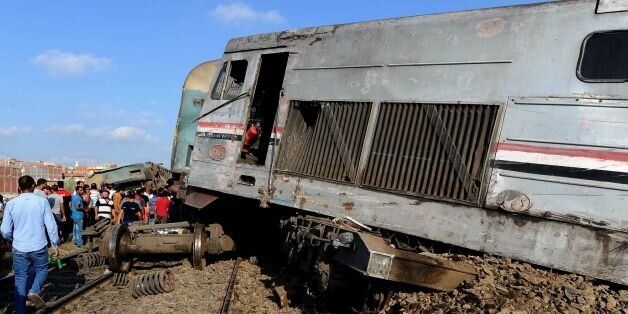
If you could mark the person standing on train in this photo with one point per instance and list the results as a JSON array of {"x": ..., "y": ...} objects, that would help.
[{"x": 26, "y": 222}]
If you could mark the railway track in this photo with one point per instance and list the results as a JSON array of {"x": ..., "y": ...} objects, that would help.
[
  {"x": 229, "y": 293},
  {"x": 76, "y": 288},
  {"x": 62, "y": 285}
]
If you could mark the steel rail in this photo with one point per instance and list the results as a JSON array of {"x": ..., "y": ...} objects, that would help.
[
  {"x": 64, "y": 258},
  {"x": 229, "y": 294},
  {"x": 51, "y": 306}
]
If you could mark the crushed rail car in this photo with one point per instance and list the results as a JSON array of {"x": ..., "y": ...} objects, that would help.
[
  {"x": 149, "y": 174},
  {"x": 499, "y": 130}
]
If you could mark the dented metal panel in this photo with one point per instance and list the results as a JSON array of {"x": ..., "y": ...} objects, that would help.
[{"x": 385, "y": 262}]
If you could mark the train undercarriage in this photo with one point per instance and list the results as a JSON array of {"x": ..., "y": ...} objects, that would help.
[{"x": 338, "y": 260}]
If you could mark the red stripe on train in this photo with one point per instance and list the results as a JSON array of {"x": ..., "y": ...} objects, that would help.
[
  {"x": 223, "y": 125},
  {"x": 562, "y": 151}
]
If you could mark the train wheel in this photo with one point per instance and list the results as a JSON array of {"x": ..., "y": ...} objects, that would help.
[
  {"x": 199, "y": 247},
  {"x": 376, "y": 298},
  {"x": 120, "y": 235}
]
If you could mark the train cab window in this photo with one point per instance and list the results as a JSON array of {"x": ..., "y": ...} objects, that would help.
[
  {"x": 604, "y": 57},
  {"x": 235, "y": 80},
  {"x": 220, "y": 82},
  {"x": 229, "y": 86}
]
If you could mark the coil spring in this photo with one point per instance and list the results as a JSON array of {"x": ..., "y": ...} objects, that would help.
[
  {"x": 92, "y": 259},
  {"x": 120, "y": 279},
  {"x": 154, "y": 283}
]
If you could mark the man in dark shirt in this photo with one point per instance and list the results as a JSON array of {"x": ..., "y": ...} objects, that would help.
[{"x": 131, "y": 211}]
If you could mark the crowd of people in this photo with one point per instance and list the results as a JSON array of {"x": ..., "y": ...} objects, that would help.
[
  {"x": 44, "y": 214},
  {"x": 89, "y": 204}
]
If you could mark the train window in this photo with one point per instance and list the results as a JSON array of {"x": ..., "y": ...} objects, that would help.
[
  {"x": 604, "y": 57},
  {"x": 188, "y": 156},
  {"x": 220, "y": 82},
  {"x": 229, "y": 86},
  {"x": 235, "y": 80}
]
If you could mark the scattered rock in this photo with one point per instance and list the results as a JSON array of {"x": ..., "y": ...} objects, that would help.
[
  {"x": 611, "y": 304},
  {"x": 504, "y": 286}
]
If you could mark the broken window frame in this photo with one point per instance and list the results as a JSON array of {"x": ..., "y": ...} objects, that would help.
[
  {"x": 225, "y": 81},
  {"x": 219, "y": 85}
]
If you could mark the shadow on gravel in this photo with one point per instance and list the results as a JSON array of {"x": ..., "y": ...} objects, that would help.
[{"x": 59, "y": 283}]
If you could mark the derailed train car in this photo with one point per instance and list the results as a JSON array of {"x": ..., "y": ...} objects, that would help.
[
  {"x": 498, "y": 130},
  {"x": 195, "y": 89}
]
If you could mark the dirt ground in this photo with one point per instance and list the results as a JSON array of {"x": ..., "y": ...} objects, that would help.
[
  {"x": 195, "y": 292},
  {"x": 503, "y": 286}
]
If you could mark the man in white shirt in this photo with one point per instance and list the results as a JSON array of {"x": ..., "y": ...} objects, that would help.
[
  {"x": 94, "y": 195},
  {"x": 39, "y": 188},
  {"x": 27, "y": 221}
]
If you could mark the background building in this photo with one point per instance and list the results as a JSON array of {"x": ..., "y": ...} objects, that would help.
[{"x": 12, "y": 169}]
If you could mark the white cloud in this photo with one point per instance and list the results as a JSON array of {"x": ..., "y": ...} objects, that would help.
[
  {"x": 58, "y": 62},
  {"x": 239, "y": 13},
  {"x": 13, "y": 131},
  {"x": 129, "y": 133},
  {"x": 72, "y": 129},
  {"x": 123, "y": 133}
]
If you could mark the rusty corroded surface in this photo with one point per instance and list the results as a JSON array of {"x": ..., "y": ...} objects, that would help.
[{"x": 521, "y": 59}]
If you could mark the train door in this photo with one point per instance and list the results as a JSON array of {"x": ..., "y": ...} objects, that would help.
[{"x": 263, "y": 110}]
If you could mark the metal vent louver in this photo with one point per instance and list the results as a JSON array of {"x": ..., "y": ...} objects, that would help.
[
  {"x": 434, "y": 150},
  {"x": 323, "y": 139}
]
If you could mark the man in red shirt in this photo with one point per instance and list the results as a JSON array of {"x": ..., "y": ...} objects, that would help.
[{"x": 161, "y": 208}]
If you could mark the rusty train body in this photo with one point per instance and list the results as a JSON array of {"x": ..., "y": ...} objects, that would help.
[{"x": 498, "y": 130}]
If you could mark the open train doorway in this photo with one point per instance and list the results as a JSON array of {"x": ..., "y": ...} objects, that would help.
[{"x": 259, "y": 126}]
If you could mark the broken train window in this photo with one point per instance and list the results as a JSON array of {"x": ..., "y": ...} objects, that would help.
[{"x": 229, "y": 86}]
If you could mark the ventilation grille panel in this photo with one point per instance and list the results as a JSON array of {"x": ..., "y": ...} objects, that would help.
[
  {"x": 323, "y": 139},
  {"x": 434, "y": 150}
]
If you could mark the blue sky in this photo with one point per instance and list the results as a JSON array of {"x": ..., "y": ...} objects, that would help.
[{"x": 99, "y": 81}]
